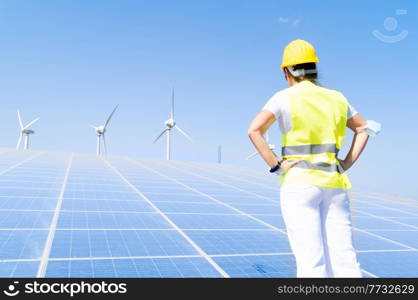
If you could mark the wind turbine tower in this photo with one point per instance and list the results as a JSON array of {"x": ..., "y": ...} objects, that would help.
[{"x": 170, "y": 124}]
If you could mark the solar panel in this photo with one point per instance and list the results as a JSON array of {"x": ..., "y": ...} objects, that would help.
[{"x": 80, "y": 215}]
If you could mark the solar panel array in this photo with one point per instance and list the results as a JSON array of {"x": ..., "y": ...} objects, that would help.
[{"x": 79, "y": 215}]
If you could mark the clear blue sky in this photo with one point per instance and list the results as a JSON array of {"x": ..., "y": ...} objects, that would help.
[{"x": 70, "y": 62}]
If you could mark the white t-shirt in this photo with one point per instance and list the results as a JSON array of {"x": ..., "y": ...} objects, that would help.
[{"x": 279, "y": 106}]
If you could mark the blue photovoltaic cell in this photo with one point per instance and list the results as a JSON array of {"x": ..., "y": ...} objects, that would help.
[
  {"x": 19, "y": 269},
  {"x": 258, "y": 266},
  {"x": 360, "y": 204},
  {"x": 382, "y": 212},
  {"x": 392, "y": 205},
  {"x": 241, "y": 242},
  {"x": 181, "y": 207},
  {"x": 77, "y": 194},
  {"x": 106, "y": 205},
  {"x": 259, "y": 209},
  {"x": 74, "y": 186},
  {"x": 22, "y": 244},
  {"x": 242, "y": 199},
  {"x": 11, "y": 203},
  {"x": 112, "y": 220},
  {"x": 364, "y": 222},
  {"x": 182, "y": 267},
  {"x": 29, "y": 192},
  {"x": 163, "y": 189},
  {"x": 25, "y": 219},
  {"x": 412, "y": 221},
  {"x": 118, "y": 243},
  {"x": 390, "y": 264},
  {"x": 177, "y": 197},
  {"x": 364, "y": 241},
  {"x": 29, "y": 184},
  {"x": 32, "y": 179},
  {"x": 276, "y": 221},
  {"x": 210, "y": 190},
  {"x": 109, "y": 220},
  {"x": 165, "y": 192},
  {"x": 93, "y": 179},
  {"x": 200, "y": 221},
  {"x": 409, "y": 237}
]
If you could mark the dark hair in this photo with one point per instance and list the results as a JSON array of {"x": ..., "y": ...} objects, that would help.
[{"x": 308, "y": 66}]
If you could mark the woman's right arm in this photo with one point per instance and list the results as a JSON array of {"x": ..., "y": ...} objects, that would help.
[{"x": 357, "y": 124}]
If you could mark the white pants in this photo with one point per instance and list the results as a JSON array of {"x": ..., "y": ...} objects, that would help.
[{"x": 318, "y": 225}]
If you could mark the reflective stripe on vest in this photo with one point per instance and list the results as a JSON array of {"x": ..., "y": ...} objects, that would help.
[
  {"x": 322, "y": 166},
  {"x": 309, "y": 149}
]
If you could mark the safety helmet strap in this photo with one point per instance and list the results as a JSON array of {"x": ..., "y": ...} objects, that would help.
[{"x": 300, "y": 72}]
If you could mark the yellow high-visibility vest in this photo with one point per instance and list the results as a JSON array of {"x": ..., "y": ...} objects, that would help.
[{"x": 319, "y": 118}]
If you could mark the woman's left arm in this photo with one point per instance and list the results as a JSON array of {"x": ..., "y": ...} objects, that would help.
[{"x": 257, "y": 129}]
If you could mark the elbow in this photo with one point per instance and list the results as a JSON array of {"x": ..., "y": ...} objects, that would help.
[
  {"x": 360, "y": 130},
  {"x": 252, "y": 133}
]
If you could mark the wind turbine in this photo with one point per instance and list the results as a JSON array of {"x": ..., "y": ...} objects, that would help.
[
  {"x": 170, "y": 124},
  {"x": 100, "y": 131},
  {"x": 24, "y": 131},
  {"x": 271, "y": 146}
]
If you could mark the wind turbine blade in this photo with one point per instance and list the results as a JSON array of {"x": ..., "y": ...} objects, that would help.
[
  {"x": 183, "y": 133},
  {"x": 19, "y": 119},
  {"x": 172, "y": 104},
  {"x": 251, "y": 155},
  {"x": 94, "y": 127},
  {"x": 160, "y": 135},
  {"x": 31, "y": 123},
  {"x": 110, "y": 117},
  {"x": 104, "y": 143},
  {"x": 19, "y": 141}
]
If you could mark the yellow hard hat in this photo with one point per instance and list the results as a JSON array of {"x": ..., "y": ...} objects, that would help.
[{"x": 298, "y": 52}]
